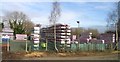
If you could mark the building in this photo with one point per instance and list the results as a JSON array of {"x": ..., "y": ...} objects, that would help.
[
  {"x": 63, "y": 33},
  {"x": 7, "y": 30}
]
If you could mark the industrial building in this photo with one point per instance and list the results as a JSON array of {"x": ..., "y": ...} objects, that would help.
[{"x": 63, "y": 34}]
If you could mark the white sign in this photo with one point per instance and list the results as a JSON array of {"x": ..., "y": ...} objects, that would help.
[
  {"x": 9, "y": 34},
  {"x": 74, "y": 37},
  {"x": 113, "y": 38},
  {"x": 6, "y": 36},
  {"x": 21, "y": 37},
  {"x": 103, "y": 41},
  {"x": 88, "y": 40},
  {"x": 7, "y": 30}
]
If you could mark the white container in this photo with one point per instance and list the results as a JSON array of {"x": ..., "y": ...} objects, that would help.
[
  {"x": 62, "y": 42},
  {"x": 68, "y": 42},
  {"x": 62, "y": 30},
  {"x": 68, "y": 33},
  {"x": 103, "y": 41},
  {"x": 36, "y": 45},
  {"x": 36, "y": 36},
  {"x": 68, "y": 45},
  {"x": 62, "y": 39},
  {"x": 36, "y": 32},
  {"x": 36, "y": 41},
  {"x": 63, "y": 27},
  {"x": 62, "y": 33},
  {"x": 68, "y": 39},
  {"x": 62, "y": 36},
  {"x": 68, "y": 30}
]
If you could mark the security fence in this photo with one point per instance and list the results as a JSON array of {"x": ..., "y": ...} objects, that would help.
[
  {"x": 88, "y": 47},
  {"x": 20, "y": 46}
]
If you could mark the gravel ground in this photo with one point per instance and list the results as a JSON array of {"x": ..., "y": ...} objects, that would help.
[
  {"x": 107, "y": 55},
  {"x": 60, "y": 56}
]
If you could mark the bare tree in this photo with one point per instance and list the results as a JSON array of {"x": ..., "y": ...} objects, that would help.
[
  {"x": 18, "y": 21},
  {"x": 28, "y": 26},
  {"x": 54, "y": 17},
  {"x": 75, "y": 31},
  {"x": 113, "y": 20}
]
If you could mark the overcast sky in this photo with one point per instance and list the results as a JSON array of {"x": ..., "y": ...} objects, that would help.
[{"x": 88, "y": 13}]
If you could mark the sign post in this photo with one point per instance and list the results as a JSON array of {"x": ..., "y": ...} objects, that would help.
[
  {"x": 26, "y": 45},
  {"x": 25, "y": 38},
  {"x": 8, "y": 45}
]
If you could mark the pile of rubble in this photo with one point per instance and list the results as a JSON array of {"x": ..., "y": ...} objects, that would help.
[
  {"x": 63, "y": 54},
  {"x": 36, "y": 54}
]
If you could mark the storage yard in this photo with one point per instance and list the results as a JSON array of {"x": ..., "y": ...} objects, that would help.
[
  {"x": 82, "y": 36},
  {"x": 44, "y": 47}
]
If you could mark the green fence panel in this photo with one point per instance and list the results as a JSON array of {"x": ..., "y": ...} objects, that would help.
[
  {"x": 94, "y": 47},
  {"x": 91, "y": 47},
  {"x": 18, "y": 46},
  {"x": 86, "y": 47},
  {"x": 73, "y": 47},
  {"x": 81, "y": 47},
  {"x": 51, "y": 46},
  {"x": 100, "y": 47}
]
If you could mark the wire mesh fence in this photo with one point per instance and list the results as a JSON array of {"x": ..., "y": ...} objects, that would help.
[{"x": 16, "y": 46}]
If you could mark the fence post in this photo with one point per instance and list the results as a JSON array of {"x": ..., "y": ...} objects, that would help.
[
  {"x": 26, "y": 46},
  {"x": 8, "y": 45}
]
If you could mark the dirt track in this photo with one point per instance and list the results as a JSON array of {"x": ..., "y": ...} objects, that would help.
[
  {"x": 56, "y": 56},
  {"x": 107, "y": 57}
]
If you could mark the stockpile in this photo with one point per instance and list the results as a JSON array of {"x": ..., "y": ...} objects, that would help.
[{"x": 36, "y": 54}]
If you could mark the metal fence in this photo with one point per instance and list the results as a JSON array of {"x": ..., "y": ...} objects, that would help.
[
  {"x": 16, "y": 46},
  {"x": 88, "y": 47},
  {"x": 19, "y": 46}
]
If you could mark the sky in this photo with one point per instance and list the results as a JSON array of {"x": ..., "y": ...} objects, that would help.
[{"x": 88, "y": 13}]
